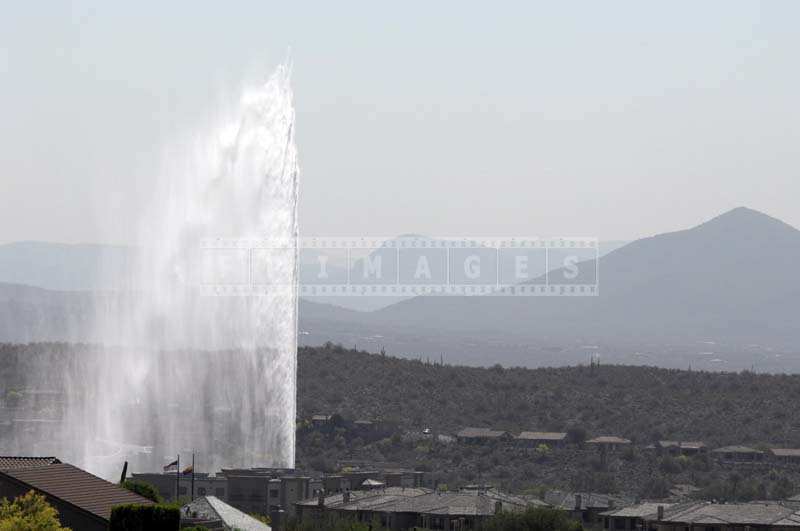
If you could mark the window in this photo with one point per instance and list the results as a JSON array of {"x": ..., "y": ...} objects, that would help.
[
  {"x": 274, "y": 493},
  {"x": 201, "y": 491}
]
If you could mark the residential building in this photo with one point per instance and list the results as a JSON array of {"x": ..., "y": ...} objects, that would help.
[
  {"x": 482, "y": 436},
  {"x": 532, "y": 439},
  {"x": 216, "y": 515},
  {"x": 738, "y": 454},
  {"x": 585, "y": 507},
  {"x": 687, "y": 448},
  {"x": 321, "y": 421},
  {"x": 400, "y": 477},
  {"x": 704, "y": 516},
  {"x": 639, "y": 517},
  {"x": 786, "y": 455},
  {"x": 609, "y": 443},
  {"x": 83, "y": 501},
  {"x": 400, "y": 508},
  {"x": 267, "y": 491},
  {"x": 365, "y": 479}
]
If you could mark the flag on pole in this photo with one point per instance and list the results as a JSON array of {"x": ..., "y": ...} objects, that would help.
[
  {"x": 172, "y": 466},
  {"x": 188, "y": 470}
]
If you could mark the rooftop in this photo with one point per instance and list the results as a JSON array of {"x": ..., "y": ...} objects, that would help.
[
  {"x": 647, "y": 510},
  {"x": 14, "y": 462},
  {"x": 588, "y": 500},
  {"x": 762, "y": 513},
  {"x": 422, "y": 501},
  {"x": 608, "y": 439},
  {"x": 75, "y": 486},
  {"x": 736, "y": 450},
  {"x": 212, "y": 509},
  {"x": 480, "y": 433},
  {"x": 786, "y": 452},
  {"x": 542, "y": 436},
  {"x": 691, "y": 445}
]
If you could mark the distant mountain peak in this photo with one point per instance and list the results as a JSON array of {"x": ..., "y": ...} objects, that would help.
[{"x": 746, "y": 220}]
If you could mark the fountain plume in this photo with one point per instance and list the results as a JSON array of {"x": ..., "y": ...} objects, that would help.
[{"x": 215, "y": 375}]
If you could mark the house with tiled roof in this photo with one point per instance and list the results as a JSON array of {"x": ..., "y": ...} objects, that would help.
[
  {"x": 681, "y": 447},
  {"x": 704, "y": 516},
  {"x": 14, "y": 462},
  {"x": 532, "y": 439},
  {"x": 639, "y": 516},
  {"x": 583, "y": 506},
  {"x": 482, "y": 436},
  {"x": 738, "y": 454},
  {"x": 408, "y": 508},
  {"x": 786, "y": 455},
  {"x": 608, "y": 442},
  {"x": 83, "y": 500}
]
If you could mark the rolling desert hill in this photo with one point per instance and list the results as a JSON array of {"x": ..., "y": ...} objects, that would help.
[{"x": 723, "y": 295}]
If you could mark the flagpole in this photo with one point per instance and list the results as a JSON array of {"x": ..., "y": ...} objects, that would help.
[
  {"x": 178, "y": 478},
  {"x": 192, "y": 476}
]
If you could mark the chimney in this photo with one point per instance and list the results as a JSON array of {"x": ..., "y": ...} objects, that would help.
[
  {"x": 660, "y": 512},
  {"x": 578, "y": 502},
  {"x": 498, "y": 507},
  {"x": 124, "y": 473}
]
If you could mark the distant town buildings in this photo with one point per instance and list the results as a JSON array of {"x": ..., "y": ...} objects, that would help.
[
  {"x": 705, "y": 516},
  {"x": 584, "y": 507},
  {"x": 406, "y": 508},
  {"x": 640, "y": 516},
  {"x": 687, "y": 448},
  {"x": 738, "y": 454},
  {"x": 482, "y": 436},
  {"x": 609, "y": 443},
  {"x": 786, "y": 455},
  {"x": 532, "y": 439}
]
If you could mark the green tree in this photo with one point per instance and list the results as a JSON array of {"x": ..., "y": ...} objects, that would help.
[
  {"x": 782, "y": 488},
  {"x": 29, "y": 512}
]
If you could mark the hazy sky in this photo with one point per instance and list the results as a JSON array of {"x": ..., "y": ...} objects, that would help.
[{"x": 610, "y": 119}]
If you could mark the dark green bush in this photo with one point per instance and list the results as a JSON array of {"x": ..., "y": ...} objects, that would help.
[{"x": 135, "y": 517}]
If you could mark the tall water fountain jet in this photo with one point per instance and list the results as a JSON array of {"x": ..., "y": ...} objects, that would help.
[{"x": 211, "y": 375}]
